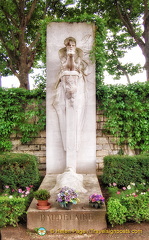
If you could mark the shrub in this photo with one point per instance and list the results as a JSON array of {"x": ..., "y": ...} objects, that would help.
[
  {"x": 125, "y": 169},
  {"x": 137, "y": 207},
  {"x": 18, "y": 170},
  {"x": 131, "y": 208},
  {"x": 116, "y": 212},
  {"x": 10, "y": 210}
]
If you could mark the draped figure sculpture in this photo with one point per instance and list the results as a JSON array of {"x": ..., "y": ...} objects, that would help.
[{"x": 70, "y": 99}]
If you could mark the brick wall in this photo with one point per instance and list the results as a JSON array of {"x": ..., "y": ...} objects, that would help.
[{"x": 104, "y": 145}]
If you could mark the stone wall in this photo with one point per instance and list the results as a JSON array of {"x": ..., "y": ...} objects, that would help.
[
  {"x": 104, "y": 145},
  {"x": 36, "y": 147}
]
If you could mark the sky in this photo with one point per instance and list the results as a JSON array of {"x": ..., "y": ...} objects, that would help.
[
  {"x": 13, "y": 82},
  {"x": 135, "y": 56}
]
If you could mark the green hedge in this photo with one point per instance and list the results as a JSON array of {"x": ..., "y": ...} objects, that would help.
[
  {"x": 127, "y": 209},
  {"x": 125, "y": 169},
  {"x": 18, "y": 170},
  {"x": 10, "y": 210}
]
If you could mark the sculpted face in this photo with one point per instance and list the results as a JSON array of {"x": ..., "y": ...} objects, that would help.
[{"x": 71, "y": 47}]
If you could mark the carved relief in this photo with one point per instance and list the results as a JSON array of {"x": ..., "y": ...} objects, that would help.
[{"x": 71, "y": 94}]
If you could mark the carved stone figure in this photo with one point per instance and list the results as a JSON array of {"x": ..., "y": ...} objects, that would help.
[{"x": 70, "y": 99}]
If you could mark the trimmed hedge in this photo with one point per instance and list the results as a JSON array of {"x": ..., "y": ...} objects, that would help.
[
  {"x": 10, "y": 210},
  {"x": 125, "y": 169},
  {"x": 127, "y": 209},
  {"x": 18, "y": 170}
]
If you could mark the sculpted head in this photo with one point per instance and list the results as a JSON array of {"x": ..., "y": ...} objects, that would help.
[{"x": 70, "y": 44}]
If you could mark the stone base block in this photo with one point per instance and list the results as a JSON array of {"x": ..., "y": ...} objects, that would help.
[{"x": 80, "y": 217}]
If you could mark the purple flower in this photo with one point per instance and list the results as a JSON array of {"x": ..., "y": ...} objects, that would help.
[
  {"x": 67, "y": 194},
  {"x": 96, "y": 198}
]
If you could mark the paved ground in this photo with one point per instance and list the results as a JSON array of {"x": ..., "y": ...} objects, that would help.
[{"x": 130, "y": 231}]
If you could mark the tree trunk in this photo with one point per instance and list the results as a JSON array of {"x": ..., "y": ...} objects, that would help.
[
  {"x": 24, "y": 79},
  {"x": 146, "y": 66},
  {"x": 146, "y": 40},
  {"x": 25, "y": 63},
  {"x": 146, "y": 53},
  {"x": 0, "y": 80}
]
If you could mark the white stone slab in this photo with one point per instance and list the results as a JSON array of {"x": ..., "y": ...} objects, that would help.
[{"x": 55, "y": 154}]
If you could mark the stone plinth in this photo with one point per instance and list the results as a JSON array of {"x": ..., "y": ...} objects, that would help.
[{"x": 80, "y": 217}]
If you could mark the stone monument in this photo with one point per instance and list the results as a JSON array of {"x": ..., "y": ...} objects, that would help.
[
  {"x": 71, "y": 102},
  {"x": 70, "y": 128}
]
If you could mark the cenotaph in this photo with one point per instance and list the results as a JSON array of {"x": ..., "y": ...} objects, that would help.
[{"x": 70, "y": 129}]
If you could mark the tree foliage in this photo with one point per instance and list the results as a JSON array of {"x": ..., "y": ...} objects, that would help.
[
  {"x": 23, "y": 27},
  {"x": 122, "y": 18},
  {"x": 20, "y": 34}
]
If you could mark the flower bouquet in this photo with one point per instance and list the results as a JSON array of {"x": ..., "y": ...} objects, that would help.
[
  {"x": 96, "y": 200},
  {"x": 66, "y": 197}
]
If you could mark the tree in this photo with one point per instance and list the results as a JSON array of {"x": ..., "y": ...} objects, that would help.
[
  {"x": 20, "y": 38},
  {"x": 124, "y": 16},
  {"x": 115, "y": 47}
]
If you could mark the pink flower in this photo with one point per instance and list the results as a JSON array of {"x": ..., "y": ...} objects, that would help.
[
  {"x": 6, "y": 186},
  {"x": 13, "y": 190},
  {"x": 22, "y": 195},
  {"x": 114, "y": 184},
  {"x": 118, "y": 192},
  {"x": 31, "y": 186},
  {"x": 20, "y": 190},
  {"x": 27, "y": 192},
  {"x": 28, "y": 188},
  {"x": 124, "y": 188}
]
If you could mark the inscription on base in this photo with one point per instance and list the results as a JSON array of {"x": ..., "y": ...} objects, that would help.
[{"x": 60, "y": 217}]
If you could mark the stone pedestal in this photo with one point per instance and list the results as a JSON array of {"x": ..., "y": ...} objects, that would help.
[{"x": 80, "y": 217}]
